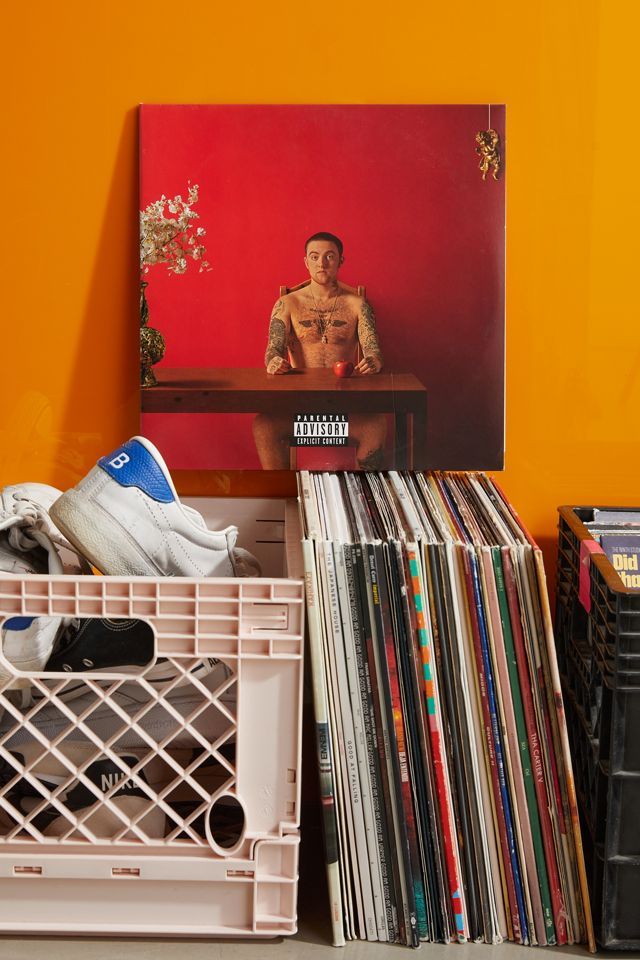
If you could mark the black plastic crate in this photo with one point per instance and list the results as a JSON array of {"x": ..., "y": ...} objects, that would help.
[
  {"x": 615, "y": 884},
  {"x": 599, "y": 660}
]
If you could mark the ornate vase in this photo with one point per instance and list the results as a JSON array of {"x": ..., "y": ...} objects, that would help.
[{"x": 151, "y": 343}]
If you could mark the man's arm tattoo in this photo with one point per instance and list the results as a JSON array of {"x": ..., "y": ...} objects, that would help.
[
  {"x": 277, "y": 345},
  {"x": 367, "y": 334}
]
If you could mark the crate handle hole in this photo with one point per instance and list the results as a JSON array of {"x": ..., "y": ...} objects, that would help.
[{"x": 225, "y": 824}]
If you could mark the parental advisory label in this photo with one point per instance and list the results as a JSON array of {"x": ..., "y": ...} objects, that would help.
[{"x": 320, "y": 430}]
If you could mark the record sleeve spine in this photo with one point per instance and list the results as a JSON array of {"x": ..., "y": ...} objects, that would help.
[
  {"x": 386, "y": 923},
  {"x": 370, "y": 866},
  {"x": 484, "y": 687},
  {"x": 380, "y": 725},
  {"x": 498, "y": 743},
  {"x": 566, "y": 752},
  {"x": 398, "y": 747},
  {"x": 511, "y": 753},
  {"x": 456, "y": 889},
  {"x": 325, "y": 762},
  {"x": 539, "y": 779},
  {"x": 443, "y": 617},
  {"x": 523, "y": 741},
  {"x": 353, "y": 788},
  {"x": 409, "y": 658}
]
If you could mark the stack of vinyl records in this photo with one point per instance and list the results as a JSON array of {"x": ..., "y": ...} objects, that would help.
[{"x": 447, "y": 791}]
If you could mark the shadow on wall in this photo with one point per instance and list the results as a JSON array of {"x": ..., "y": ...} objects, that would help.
[
  {"x": 102, "y": 397},
  {"x": 549, "y": 547},
  {"x": 103, "y": 406}
]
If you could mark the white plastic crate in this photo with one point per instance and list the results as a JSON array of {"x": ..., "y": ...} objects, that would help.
[{"x": 197, "y": 832}]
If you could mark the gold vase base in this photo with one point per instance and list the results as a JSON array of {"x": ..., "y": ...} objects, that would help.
[{"x": 147, "y": 376}]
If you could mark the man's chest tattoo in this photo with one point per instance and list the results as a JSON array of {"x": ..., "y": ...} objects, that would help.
[{"x": 315, "y": 322}]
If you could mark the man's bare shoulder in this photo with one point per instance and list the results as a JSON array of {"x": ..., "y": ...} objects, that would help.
[
  {"x": 352, "y": 301},
  {"x": 295, "y": 300},
  {"x": 282, "y": 306}
]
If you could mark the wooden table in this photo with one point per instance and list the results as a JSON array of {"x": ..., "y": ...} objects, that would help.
[{"x": 314, "y": 390}]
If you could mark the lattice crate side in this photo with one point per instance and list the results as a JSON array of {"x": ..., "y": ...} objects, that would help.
[
  {"x": 95, "y": 597},
  {"x": 269, "y": 667},
  {"x": 249, "y": 889}
]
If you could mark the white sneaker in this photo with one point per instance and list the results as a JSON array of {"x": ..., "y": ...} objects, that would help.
[
  {"x": 31, "y": 544},
  {"x": 127, "y": 519}
]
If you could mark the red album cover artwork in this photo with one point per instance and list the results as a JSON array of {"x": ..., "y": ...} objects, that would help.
[{"x": 322, "y": 287}]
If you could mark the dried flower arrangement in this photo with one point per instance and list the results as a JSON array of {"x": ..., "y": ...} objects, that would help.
[{"x": 169, "y": 235}]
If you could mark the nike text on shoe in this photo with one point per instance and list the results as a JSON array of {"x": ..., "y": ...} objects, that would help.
[
  {"x": 123, "y": 796},
  {"x": 127, "y": 519},
  {"x": 102, "y": 802}
]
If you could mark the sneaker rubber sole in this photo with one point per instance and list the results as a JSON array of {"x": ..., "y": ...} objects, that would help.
[{"x": 99, "y": 538}]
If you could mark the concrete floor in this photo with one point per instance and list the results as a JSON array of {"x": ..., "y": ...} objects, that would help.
[
  {"x": 303, "y": 945},
  {"x": 312, "y": 941}
]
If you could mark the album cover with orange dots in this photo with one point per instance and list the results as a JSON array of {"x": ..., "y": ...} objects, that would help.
[{"x": 323, "y": 287}]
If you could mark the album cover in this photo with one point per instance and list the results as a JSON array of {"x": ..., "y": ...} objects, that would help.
[
  {"x": 322, "y": 287},
  {"x": 623, "y": 550}
]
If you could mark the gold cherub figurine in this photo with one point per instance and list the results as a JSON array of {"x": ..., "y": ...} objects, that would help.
[{"x": 489, "y": 151}]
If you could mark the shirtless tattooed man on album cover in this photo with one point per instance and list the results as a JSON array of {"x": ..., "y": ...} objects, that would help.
[{"x": 313, "y": 327}]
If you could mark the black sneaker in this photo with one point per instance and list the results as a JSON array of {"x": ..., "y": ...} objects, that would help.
[
  {"x": 76, "y": 800},
  {"x": 113, "y": 646}
]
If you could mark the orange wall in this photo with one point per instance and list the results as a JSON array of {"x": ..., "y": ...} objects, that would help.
[{"x": 73, "y": 75}]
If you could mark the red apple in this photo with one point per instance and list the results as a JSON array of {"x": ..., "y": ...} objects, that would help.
[{"x": 343, "y": 368}]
